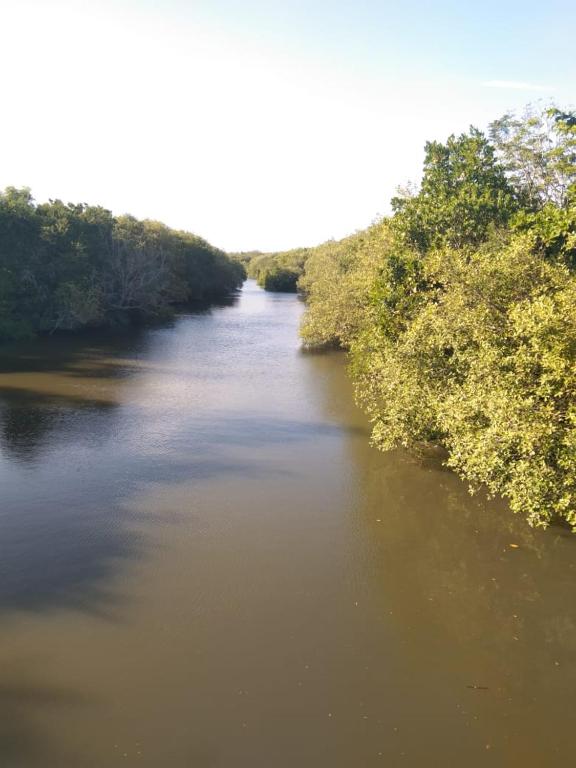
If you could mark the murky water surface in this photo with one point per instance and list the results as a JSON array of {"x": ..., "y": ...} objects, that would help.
[{"x": 203, "y": 563}]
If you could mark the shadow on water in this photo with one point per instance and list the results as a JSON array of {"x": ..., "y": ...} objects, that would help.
[
  {"x": 66, "y": 522},
  {"x": 30, "y": 422},
  {"x": 76, "y": 457},
  {"x": 27, "y": 419},
  {"x": 23, "y": 700},
  {"x": 61, "y": 545},
  {"x": 28, "y": 693},
  {"x": 207, "y": 307}
]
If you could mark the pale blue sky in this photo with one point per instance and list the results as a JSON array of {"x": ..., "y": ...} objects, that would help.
[{"x": 260, "y": 124}]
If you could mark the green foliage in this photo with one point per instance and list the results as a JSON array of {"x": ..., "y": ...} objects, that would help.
[
  {"x": 337, "y": 284},
  {"x": 67, "y": 266},
  {"x": 280, "y": 279},
  {"x": 459, "y": 315},
  {"x": 485, "y": 366},
  {"x": 553, "y": 230},
  {"x": 464, "y": 192},
  {"x": 276, "y": 271}
]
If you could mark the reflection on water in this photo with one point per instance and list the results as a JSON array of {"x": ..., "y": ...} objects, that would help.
[{"x": 205, "y": 564}]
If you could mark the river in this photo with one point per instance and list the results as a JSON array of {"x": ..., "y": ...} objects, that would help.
[{"x": 205, "y": 565}]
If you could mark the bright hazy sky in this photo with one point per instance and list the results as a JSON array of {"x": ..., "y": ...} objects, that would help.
[{"x": 261, "y": 124}]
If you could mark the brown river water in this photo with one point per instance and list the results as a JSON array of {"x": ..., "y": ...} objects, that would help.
[{"x": 203, "y": 564}]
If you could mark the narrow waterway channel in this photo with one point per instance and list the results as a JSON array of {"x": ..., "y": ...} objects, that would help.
[{"x": 204, "y": 564}]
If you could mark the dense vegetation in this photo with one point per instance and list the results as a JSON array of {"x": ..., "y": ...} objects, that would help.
[
  {"x": 66, "y": 267},
  {"x": 276, "y": 271},
  {"x": 459, "y": 311}
]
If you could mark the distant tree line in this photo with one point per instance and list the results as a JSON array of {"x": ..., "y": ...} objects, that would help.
[
  {"x": 459, "y": 311},
  {"x": 67, "y": 266},
  {"x": 275, "y": 271}
]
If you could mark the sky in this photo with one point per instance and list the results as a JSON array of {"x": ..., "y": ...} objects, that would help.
[{"x": 261, "y": 124}]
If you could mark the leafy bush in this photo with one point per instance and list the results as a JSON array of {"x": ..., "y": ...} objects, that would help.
[
  {"x": 459, "y": 314},
  {"x": 65, "y": 267},
  {"x": 280, "y": 279}
]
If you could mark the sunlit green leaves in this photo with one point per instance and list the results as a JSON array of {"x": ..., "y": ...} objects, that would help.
[{"x": 460, "y": 314}]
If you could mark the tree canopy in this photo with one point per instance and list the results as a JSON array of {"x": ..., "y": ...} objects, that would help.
[
  {"x": 459, "y": 311},
  {"x": 66, "y": 266},
  {"x": 276, "y": 271}
]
